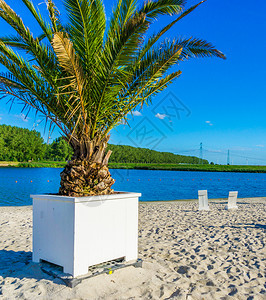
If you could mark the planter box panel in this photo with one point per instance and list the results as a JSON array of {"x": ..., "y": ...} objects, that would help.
[
  {"x": 100, "y": 232},
  {"x": 77, "y": 233},
  {"x": 53, "y": 236}
]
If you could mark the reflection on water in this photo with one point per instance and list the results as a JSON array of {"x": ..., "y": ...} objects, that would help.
[{"x": 16, "y": 184}]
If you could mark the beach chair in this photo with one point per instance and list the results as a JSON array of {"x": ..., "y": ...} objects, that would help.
[
  {"x": 232, "y": 200},
  {"x": 203, "y": 200}
]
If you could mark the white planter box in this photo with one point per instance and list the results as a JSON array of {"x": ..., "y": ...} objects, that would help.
[{"x": 79, "y": 232}]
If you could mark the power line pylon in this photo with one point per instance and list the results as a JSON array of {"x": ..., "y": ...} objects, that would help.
[{"x": 200, "y": 155}]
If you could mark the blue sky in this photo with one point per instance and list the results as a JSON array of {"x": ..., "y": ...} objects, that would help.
[{"x": 220, "y": 103}]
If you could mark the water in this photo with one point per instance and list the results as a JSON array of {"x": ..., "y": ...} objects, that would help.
[{"x": 16, "y": 184}]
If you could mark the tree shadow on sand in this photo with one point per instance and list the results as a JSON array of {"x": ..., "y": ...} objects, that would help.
[{"x": 18, "y": 264}]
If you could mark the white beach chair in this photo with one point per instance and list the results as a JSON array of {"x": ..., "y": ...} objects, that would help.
[
  {"x": 203, "y": 200},
  {"x": 232, "y": 200}
]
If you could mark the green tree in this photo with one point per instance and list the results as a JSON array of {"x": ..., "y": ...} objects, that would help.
[
  {"x": 2, "y": 148},
  {"x": 85, "y": 78},
  {"x": 19, "y": 144},
  {"x": 59, "y": 150}
]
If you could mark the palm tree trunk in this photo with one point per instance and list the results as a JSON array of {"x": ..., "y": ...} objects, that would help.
[{"x": 87, "y": 174}]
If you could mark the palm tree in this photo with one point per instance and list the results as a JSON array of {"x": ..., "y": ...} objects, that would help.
[{"x": 85, "y": 77}]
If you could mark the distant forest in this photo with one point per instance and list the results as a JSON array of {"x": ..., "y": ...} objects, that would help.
[
  {"x": 19, "y": 144},
  {"x": 128, "y": 154}
]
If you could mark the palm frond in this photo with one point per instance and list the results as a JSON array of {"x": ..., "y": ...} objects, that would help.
[
  {"x": 54, "y": 16},
  {"x": 41, "y": 52},
  {"x": 153, "y": 9},
  {"x": 156, "y": 63},
  {"x": 116, "y": 56},
  {"x": 47, "y": 30},
  {"x": 164, "y": 60},
  {"x": 8, "y": 79},
  {"x": 87, "y": 26},
  {"x": 194, "y": 47},
  {"x": 25, "y": 78},
  {"x": 124, "y": 10},
  {"x": 14, "y": 41},
  {"x": 70, "y": 62},
  {"x": 154, "y": 38}
]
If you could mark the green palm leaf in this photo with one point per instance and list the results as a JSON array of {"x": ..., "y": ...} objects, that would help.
[
  {"x": 47, "y": 30},
  {"x": 153, "y": 9}
]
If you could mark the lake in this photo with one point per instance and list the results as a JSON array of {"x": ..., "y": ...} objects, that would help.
[{"x": 16, "y": 184}]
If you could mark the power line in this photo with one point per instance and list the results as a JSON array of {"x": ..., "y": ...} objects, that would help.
[{"x": 229, "y": 154}]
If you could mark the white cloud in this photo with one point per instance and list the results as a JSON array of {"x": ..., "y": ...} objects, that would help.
[
  {"x": 136, "y": 113},
  {"x": 22, "y": 117},
  {"x": 209, "y": 123},
  {"x": 160, "y": 116},
  {"x": 260, "y": 146},
  {"x": 0, "y": 118}
]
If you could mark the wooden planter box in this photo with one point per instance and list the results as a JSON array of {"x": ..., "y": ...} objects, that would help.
[{"x": 79, "y": 232}]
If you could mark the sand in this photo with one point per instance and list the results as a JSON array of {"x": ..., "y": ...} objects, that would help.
[{"x": 186, "y": 254}]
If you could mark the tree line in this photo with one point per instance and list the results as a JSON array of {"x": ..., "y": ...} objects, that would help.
[
  {"x": 19, "y": 144},
  {"x": 128, "y": 154}
]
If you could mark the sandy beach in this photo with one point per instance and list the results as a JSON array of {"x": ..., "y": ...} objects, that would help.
[{"x": 186, "y": 254}]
